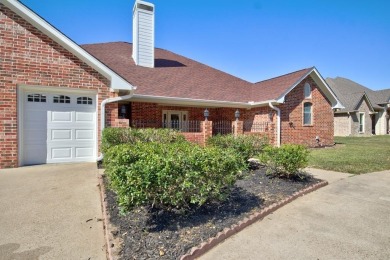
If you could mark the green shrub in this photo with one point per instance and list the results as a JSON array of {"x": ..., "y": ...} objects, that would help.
[
  {"x": 115, "y": 136},
  {"x": 246, "y": 146},
  {"x": 172, "y": 175},
  {"x": 286, "y": 161}
]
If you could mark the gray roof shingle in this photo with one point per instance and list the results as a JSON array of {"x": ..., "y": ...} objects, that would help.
[{"x": 350, "y": 93}]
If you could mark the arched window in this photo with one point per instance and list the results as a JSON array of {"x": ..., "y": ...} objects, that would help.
[
  {"x": 61, "y": 99},
  {"x": 307, "y": 113},
  {"x": 84, "y": 101},
  {"x": 307, "y": 90},
  {"x": 36, "y": 98}
]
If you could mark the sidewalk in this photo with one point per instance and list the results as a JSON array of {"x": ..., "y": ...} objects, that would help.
[{"x": 348, "y": 219}]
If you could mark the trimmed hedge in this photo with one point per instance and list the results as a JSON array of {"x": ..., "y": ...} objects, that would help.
[
  {"x": 246, "y": 146},
  {"x": 115, "y": 136},
  {"x": 170, "y": 175},
  {"x": 286, "y": 161}
]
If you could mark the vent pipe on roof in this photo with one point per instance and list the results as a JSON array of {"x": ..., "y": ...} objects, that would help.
[{"x": 143, "y": 34}]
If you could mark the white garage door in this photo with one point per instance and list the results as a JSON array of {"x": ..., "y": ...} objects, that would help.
[{"x": 58, "y": 128}]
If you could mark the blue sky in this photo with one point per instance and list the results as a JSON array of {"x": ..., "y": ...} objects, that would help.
[{"x": 251, "y": 39}]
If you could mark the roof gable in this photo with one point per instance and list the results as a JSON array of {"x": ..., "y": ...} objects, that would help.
[
  {"x": 364, "y": 98},
  {"x": 117, "y": 82},
  {"x": 277, "y": 88},
  {"x": 350, "y": 93}
]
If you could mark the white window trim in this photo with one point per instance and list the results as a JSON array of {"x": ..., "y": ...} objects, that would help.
[
  {"x": 362, "y": 124},
  {"x": 311, "y": 114}
]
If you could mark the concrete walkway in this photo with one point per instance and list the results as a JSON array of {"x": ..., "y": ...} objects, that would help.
[
  {"x": 51, "y": 212},
  {"x": 348, "y": 219}
]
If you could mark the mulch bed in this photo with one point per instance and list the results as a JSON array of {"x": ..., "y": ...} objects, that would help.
[{"x": 156, "y": 234}]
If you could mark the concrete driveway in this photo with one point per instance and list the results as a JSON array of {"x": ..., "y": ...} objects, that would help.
[
  {"x": 348, "y": 219},
  {"x": 51, "y": 212}
]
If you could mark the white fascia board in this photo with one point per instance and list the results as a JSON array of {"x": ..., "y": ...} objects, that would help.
[
  {"x": 336, "y": 104},
  {"x": 283, "y": 96},
  {"x": 117, "y": 82},
  {"x": 197, "y": 102}
]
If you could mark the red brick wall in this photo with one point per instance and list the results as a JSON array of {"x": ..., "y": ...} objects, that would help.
[
  {"x": 28, "y": 57},
  {"x": 153, "y": 112},
  {"x": 293, "y": 130}
]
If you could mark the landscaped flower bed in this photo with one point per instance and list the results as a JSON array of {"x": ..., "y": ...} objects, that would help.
[{"x": 157, "y": 234}]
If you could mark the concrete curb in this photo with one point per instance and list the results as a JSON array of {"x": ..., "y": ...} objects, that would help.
[
  {"x": 112, "y": 244},
  {"x": 228, "y": 232}
]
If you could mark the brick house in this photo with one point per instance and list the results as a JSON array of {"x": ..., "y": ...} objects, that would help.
[
  {"x": 366, "y": 111},
  {"x": 57, "y": 96}
]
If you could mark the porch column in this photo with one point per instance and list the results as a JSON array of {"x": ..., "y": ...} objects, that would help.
[
  {"x": 238, "y": 127},
  {"x": 207, "y": 130}
]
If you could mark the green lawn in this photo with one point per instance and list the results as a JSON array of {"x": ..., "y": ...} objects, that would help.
[{"x": 354, "y": 155}]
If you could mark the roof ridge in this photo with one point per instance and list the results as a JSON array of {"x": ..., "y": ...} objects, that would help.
[{"x": 284, "y": 75}]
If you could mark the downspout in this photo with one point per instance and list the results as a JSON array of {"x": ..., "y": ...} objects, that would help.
[
  {"x": 278, "y": 122},
  {"x": 103, "y": 113}
]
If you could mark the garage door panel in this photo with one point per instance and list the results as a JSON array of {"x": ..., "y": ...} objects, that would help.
[
  {"x": 85, "y": 117},
  {"x": 84, "y": 134},
  {"x": 61, "y": 134},
  {"x": 62, "y": 117},
  {"x": 83, "y": 152},
  {"x": 61, "y": 153}
]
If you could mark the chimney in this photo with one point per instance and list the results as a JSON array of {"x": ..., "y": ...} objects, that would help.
[{"x": 143, "y": 34}]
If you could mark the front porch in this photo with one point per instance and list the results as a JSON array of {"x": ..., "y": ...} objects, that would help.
[{"x": 197, "y": 124}]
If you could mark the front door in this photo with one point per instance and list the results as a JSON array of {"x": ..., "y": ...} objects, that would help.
[{"x": 175, "y": 119}]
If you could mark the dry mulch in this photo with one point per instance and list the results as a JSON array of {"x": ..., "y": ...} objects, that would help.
[{"x": 156, "y": 234}]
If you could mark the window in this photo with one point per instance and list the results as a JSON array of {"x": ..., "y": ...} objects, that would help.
[
  {"x": 307, "y": 90},
  {"x": 61, "y": 99},
  {"x": 36, "y": 98},
  {"x": 84, "y": 101},
  {"x": 307, "y": 113},
  {"x": 361, "y": 122}
]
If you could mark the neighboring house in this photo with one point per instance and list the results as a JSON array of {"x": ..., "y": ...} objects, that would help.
[
  {"x": 366, "y": 111},
  {"x": 57, "y": 96}
]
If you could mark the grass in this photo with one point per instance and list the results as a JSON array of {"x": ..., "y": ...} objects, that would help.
[{"x": 354, "y": 155}]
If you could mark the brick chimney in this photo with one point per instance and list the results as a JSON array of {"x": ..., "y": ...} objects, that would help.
[{"x": 143, "y": 34}]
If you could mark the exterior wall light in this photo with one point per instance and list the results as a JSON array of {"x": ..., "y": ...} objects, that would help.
[
  {"x": 206, "y": 114},
  {"x": 237, "y": 114}
]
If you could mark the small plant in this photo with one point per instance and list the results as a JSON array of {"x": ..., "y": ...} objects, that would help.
[
  {"x": 115, "y": 136},
  {"x": 173, "y": 175},
  {"x": 246, "y": 146},
  {"x": 286, "y": 161}
]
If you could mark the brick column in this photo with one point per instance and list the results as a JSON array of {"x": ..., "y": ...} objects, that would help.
[
  {"x": 207, "y": 130},
  {"x": 238, "y": 127},
  {"x": 121, "y": 123}
]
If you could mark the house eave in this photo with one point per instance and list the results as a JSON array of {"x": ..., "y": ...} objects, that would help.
[
  {"x": 178, "y": 101},
  {"x": 116, "y": 81}
]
